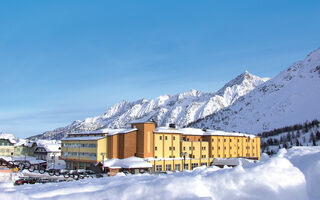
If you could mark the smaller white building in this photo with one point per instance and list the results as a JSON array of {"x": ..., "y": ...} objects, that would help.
[{"x": 51, "y": 153}]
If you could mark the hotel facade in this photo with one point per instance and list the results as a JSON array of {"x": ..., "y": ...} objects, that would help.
[{"x": 166, "y": 148}]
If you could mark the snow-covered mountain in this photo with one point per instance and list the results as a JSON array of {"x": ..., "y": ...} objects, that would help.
[
  {"x": 290, "y": 98},
  {"x": 180, "y": 109}
]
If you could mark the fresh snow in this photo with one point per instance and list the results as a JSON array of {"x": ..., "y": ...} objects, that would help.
[
  {"x": 180, "y": 109},
  {"x": 290, "y": 98},
  {"x": 131, "y": 162},
  {"x": 291, "y": 174}
]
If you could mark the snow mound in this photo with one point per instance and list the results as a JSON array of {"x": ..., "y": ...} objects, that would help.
[{"x": 292, "y": 174}]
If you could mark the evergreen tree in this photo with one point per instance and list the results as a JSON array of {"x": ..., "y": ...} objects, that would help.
[
  {"x": 298, "y": 134},
  {"x": 314, "y": 143},
  {"x": 311, "y": 137},
  {"x": 318, "y": 135}
]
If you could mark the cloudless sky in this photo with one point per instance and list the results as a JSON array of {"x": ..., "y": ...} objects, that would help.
[{"x": 62, "y": 61}]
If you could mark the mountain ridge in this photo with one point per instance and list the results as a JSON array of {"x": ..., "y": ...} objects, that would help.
[
  {"x": 289, "y": 98},
  {"x": 181, "y": 108}
]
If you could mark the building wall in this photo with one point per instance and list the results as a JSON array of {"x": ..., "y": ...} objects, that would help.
[
  {"x": 76, "y": 161},
  {"x": 144, "y": 139},
  {"x": 166, "y": 145},
  {"x": 101, "y": 149},
  {"x": 6, "y": 148},
  {"x": 129, "y": 144}
]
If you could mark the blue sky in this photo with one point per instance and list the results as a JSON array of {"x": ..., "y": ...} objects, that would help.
[{"x": 66, "y": 60}]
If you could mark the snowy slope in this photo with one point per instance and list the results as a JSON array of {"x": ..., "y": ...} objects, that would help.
[
  {"x": 180, "y": 109},
  {"x": 291, "y": 97},
  {"x": 292, "y": 174}
]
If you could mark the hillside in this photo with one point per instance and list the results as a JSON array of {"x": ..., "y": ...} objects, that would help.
[
  {"x": 290, "y": 98},
  {"x": 180, "y": 109}
]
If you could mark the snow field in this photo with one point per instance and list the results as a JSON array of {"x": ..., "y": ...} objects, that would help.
[{"x": 288, "y": 175}]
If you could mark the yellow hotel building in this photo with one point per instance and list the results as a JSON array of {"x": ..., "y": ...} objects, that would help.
[{"x": 164, "y": 147}]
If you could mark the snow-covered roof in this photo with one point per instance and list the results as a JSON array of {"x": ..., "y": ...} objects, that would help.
[
  {"x": 132, "y": 162},
  {"x": 108, "y": 131},
  {"x": 8, "y": 136},
  {"x": 82, "y": 138},
  {"x": 53, "y": 147},
  {"x": 24, "y": 142},
  {"x": 142, "y": 121},
  {"x": 32, "y": 160},
  {"x": 49, "y": 146},
  {"x": 197, "y": 131}
]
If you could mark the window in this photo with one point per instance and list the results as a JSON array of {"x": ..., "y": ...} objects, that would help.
[
  {"x": 190, "y": 156},
  {"x": 177, "y": 167},
  {"x": 174, "y": 148},
  {"x": 189, "y": 148},
  {"x": 199, "y": 140},
  {"x": 187, "y": 139},
  {"x": 186, "y": 166},
  {"x": 174, "y": 137},
  {"x": 203, "y": 148},
  {"x": 219, "y": 148},
  {"x": 224, "y": 140},
  {"x": 168, "y": 167},
  {"x": 174, "y": 156},
  {"x": 170, "y": 148},
  {"x": 212, "y": 140},
  {"x": 218, "y": 140},
  {"x": 238, "y": 140},
  {"x": 158, "y": 168},
  {"x": 81, "y": 165},
  {"x": 166, "y": 137},
  {"x": 156, "y": 157},
  {"x": 184, "y": 148},
  {"x": 204, "y": 164},
  {"x": 193, "y": 156},
  {"x": 224, "y": 148},
  {"x": 230, "y": 140},
  {"x": 193, "y": 148},
  {"x": 230, "y": 148},
  {"x": 170, "y": 156},
  {"x": 212, "y": 148},
  {"x": 194, "y": 165},
  {"x": 155, "y": 148},
  {"x": 203, "y": 156},
  {"x": 219, "y": 156},
  {"x": 160, "y": 137},
  {"x": 225, "y": 155}
]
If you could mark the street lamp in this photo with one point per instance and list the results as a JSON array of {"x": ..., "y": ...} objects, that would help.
[{"x": 103, "y": 154}]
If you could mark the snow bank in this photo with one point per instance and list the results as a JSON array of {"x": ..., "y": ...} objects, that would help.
[
  {"x": 132, "y": 162},
  {"x": 288, "y": 175}
]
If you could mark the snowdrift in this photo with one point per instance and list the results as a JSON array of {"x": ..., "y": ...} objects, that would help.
[{"x": 292, "y": 174}]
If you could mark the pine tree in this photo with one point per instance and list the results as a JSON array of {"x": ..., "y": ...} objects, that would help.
[
  {"x": 318, "y": 135},
  {"x": 311, "y": 137},
  {"x": 298, "y": 134},
  {"x": 314, "y": 142}
]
